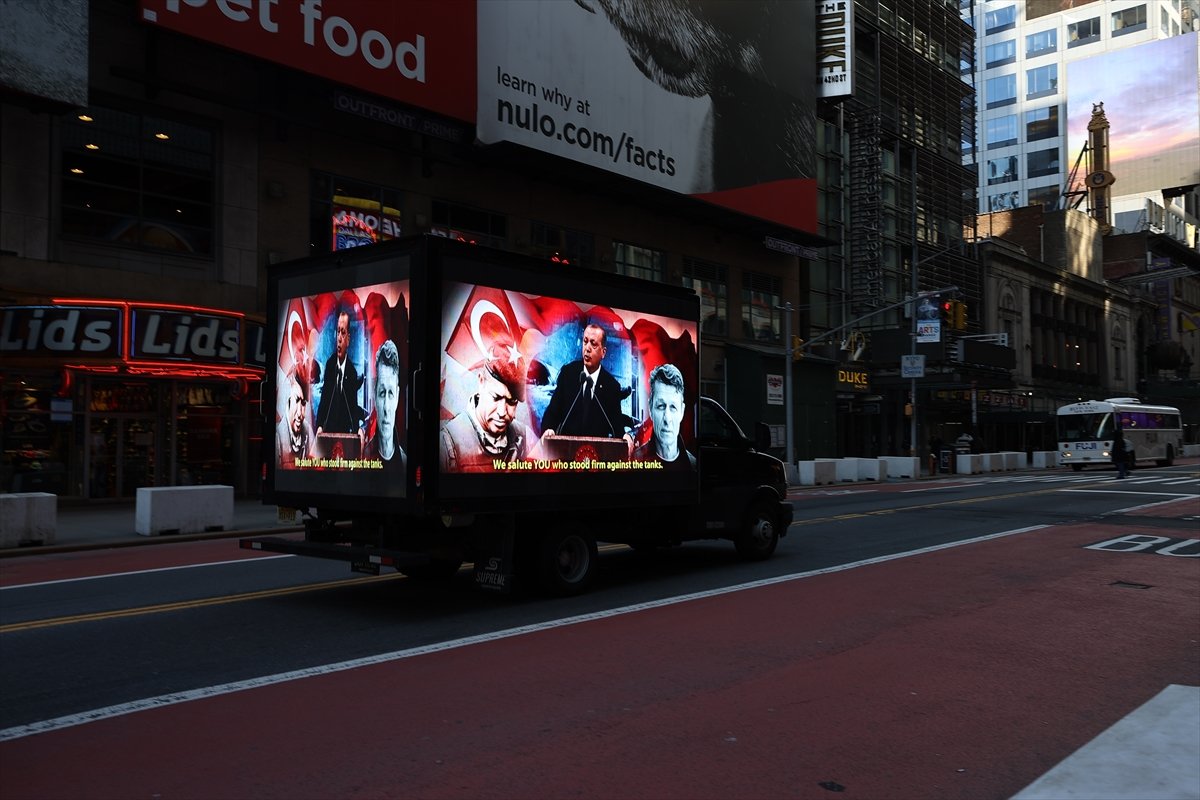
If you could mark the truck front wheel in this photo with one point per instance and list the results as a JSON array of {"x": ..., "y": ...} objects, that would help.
[
  {"x": 760, "y": 533},
  {"x": 566, "y": 562}
]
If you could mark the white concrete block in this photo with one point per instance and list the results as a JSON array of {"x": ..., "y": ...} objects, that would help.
[
  {"x": 902, "y": 466},
  {"x": 1045, "y": 459},
  {"x": 871, "y": 469},
  {"x": 28, "y": 518},
  {"x": 183, "y": 509},
  {"x": 817, "y": 473},
  {"x": 845, "y": 469},
  {"x": 968, "y": 463},
  {"x": 1190, "y": 450}
]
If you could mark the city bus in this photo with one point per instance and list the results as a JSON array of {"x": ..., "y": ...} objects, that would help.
[{"x": 1086, "y": 431}]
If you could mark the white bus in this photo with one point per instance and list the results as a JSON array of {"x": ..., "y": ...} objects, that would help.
[{"x": 1086, "y": 431}]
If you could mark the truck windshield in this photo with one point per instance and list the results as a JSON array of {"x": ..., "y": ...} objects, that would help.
[{"x": 1084, "y": 427}]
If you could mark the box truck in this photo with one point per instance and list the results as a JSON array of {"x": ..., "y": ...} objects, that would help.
[{"x": 430, "y": 402}]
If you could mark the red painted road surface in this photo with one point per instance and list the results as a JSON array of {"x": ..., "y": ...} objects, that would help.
[{"x": 961, "y": 673}]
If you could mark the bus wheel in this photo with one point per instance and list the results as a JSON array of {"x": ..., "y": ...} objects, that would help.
[
  {"x": 1077, "y": 467},
  {"x": 1169, "y": 460},
  {"x": 566, "y": 562}
]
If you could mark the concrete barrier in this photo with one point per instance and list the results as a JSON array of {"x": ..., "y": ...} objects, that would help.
[
  {"x": 28, "y": 518},
  {"x": 871, "y": 469},
  {"x": 817, "y": 473},
  {"x": 1002, "y": 461},
  {"x": 845, "y": 469},
  {"x": 1045, "y": 459},
  {"x": 183, "y": 509},
  {"x": 1190, "y": 451},
  {"x": 902, "y": 466},
  {"x": 968, "y": 463}
]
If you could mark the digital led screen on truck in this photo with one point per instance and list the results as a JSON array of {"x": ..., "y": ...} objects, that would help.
[
  {"x": 341, "y": 386},
  {"x": 538, "y": 385}
]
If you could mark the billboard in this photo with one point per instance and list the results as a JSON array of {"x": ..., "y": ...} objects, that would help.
[
  {"x": 341, "y": 379},
  {"x": 537, "y": 384},
  {"x": 417, "y": 52},
  {"x": 711, "y": 99},
  {"x": 1151, "y": 96}
]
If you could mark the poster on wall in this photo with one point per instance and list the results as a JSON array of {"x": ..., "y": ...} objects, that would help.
[
  {"x": 714, "y": 100},
  {"x": 547, "y": 385},
  {"x": 341, "y": 385}
]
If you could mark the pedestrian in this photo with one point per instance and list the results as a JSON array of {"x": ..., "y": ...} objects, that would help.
[{"x": 1120, "y": 456}]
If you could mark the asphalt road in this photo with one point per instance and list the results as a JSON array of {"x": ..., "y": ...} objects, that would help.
[{"x": 140, "y": 643}]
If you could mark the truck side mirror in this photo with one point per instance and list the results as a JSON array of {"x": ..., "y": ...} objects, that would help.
[{"x": 762, "y": 436}]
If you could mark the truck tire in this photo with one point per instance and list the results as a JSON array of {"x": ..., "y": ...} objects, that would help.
[
  {"x": 760, "y": 533},
  {"x": 566, "y": 562}
]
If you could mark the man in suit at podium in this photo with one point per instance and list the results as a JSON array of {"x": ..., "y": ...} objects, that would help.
[
  {"x": 587, "y": 398},
  {"x": 339, "y": 411}
]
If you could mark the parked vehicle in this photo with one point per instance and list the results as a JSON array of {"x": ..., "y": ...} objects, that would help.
[{"x": 436, "y": 402}]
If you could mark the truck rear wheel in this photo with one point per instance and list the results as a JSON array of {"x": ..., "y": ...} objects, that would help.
[
  {"x": 566, "y": 562},
  {"x": 760, "y": 533}
]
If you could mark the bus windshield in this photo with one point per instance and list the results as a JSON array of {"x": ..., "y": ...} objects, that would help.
[{"x": 1084, "y": 427}]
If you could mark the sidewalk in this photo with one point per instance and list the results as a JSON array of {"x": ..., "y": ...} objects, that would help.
[{"x": 84, "y": 526}]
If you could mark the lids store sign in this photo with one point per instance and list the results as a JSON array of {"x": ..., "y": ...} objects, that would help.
[
  {"x": 853, "y": 380},
  {"x": 130, "y": 332}
]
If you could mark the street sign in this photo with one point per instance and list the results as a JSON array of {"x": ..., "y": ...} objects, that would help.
[{"x": 912, "y": 366}]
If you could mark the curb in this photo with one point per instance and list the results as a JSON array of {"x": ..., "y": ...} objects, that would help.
[{"x": 137, "y": 540}]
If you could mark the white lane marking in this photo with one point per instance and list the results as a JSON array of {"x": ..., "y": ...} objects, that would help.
[
  {"x": 952, "y": 485},
  {"x": 1148, "y": 754},
  {"x": 1113, "y": 490},
  {"x": 1174, "y": 499},
  {"x": 134, "y": 706},
  {"x": 144, "y": 571}
]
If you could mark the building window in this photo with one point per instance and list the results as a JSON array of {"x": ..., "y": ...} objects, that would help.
[
  {"x": 1164, "y": 20},
  {"x": 1001, "y": 53},
  {"x": 1002, "y": 19},
  {"x": 138, "y": 181},
  {"x": 1041, "y": 43},
  {"x": 1002, "y": 170},
  {"x": 1041, "y": 123},
  {"x": 347, "y": 213},
  {"x": 563, "y": 245},
  {"x": 468, "y": 224},
  {"x": 1041, "y": 162},
  {"x": 1085, "y": 32},
  {"x": 709, "y": 281},
  {"x": 1004, "y": 201},
  {"x": 1129, "y": 20},
  {"x": 1002, "y": 131},
  {"x": 639, "y": 262},
  {"x": 1001, "y": 91},
  {"x": 1041, "y": 81},
  {"x": 1046, "y": 196},
  {"x": 761, "y": 294}
]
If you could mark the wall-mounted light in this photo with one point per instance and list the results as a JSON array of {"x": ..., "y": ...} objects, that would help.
[
  {"x": 92, "y": 146},
  {"x": 86, "y": 118},
  {"x": 76, "y": 171},
  {"x": 162, "y": 136}
]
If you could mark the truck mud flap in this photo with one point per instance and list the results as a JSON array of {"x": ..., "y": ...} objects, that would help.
[{"x": 363, "y": 559}]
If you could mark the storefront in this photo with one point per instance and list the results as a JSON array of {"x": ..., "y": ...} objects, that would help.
[{"x": 99, "y": 398}]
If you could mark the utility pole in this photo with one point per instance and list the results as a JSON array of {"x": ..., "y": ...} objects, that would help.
[
  {"x": 912, "y": 436},
  {"x": 788, "y": 362}
]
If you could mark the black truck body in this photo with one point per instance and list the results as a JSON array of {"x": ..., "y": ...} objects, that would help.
[{"x": 410, "y": 404}]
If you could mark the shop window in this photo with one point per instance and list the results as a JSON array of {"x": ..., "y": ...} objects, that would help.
[
  {"x": 639, "y": 262},
  {"x": 563, "y": 245},
  {"x": 1041, "y": 162},
  {"x": 1001, "y": 91},
  {"x": 761, "y": 297},
  {"x": 1041, "y": 43},
  {"x": 709, "y": 281},
  {"x": 37, "y": 436},
  {"x": 1001, "y": 131},
  {"x": 347, "y": 213},
  {"x": 206, "y": 427},
  {"x": 138, "y": 181},
  {"x": 1129, "y": 20},
  {"x": 1083, "y": 32},
  {"x": 1041, "y": 123},
  {"x": 1041, "y": 81},
  {"x": 467, "y": 224}
]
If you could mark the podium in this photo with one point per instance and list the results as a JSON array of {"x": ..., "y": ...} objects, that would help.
[
  {"x": 578, "y": 448},
  {"x": 339, "y": 445}
]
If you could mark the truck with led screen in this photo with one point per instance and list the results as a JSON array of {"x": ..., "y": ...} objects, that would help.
[{"x": 435, "y": 403}]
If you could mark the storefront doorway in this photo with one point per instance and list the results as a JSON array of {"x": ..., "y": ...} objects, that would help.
[{"x": 123, "y": 454}]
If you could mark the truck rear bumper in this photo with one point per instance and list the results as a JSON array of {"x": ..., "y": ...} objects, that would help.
[{"x": 370, "y": 558}]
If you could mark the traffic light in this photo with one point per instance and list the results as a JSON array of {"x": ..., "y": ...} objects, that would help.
[
  {"x": 797, "y": 352},
  {"x": 960, "y": 315},
  {"x": 948, "y": 312}
]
